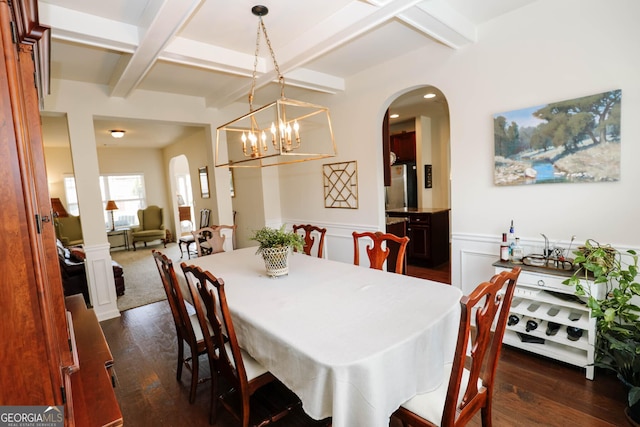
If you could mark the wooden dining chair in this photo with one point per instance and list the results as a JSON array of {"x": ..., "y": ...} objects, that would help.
[
  {"x": 211, "y": 240},
  {"x": 254, "y": 397},
  {"x": 468, "y": 390},
  {"x": 187, "y": 326},
  {"x": 228, "y": 236},
  {"x": 310, "y": 233},
  {"x": 377, "y": 254}
]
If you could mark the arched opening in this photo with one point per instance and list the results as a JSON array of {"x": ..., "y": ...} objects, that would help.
[{"x": 417, "y": 181}]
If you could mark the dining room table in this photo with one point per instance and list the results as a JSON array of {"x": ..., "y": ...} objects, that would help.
[{"x": 352, "y": 342}]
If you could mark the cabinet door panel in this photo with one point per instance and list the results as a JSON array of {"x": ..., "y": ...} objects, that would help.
[{"x": 419, "y": 246}]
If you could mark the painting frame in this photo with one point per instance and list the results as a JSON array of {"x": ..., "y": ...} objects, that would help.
[{"x": 572, "y": 141}]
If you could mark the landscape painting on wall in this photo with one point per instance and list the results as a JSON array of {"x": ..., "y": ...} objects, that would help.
[{"x": 569, "y": 141}]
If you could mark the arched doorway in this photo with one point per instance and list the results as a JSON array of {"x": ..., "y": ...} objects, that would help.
[{"x": 417, "y": 132}]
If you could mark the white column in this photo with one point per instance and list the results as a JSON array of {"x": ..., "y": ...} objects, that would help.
[{"x": 98, "y": 263}]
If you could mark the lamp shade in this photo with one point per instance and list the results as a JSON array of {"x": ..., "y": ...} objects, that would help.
[{"x": 111, "y": 206}]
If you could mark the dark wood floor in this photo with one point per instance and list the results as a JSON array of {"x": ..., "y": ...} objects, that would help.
[
  {"x": 530, "y": 390},
  {"x": 441, "y": 273}
]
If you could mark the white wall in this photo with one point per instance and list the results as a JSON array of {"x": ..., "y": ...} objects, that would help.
[
  {"x": 548, "y": 51},
  {"x": 59, "y": 164},
  {"x": 147, "y": 161}
]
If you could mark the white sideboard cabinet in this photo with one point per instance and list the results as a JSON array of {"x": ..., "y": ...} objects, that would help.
[{"x": 541, "y": 297}]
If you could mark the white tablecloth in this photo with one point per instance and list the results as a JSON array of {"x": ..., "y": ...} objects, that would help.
[{"x": 352, "y": 342}]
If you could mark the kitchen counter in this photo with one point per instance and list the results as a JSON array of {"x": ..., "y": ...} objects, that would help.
[
  {"x": 416, "y": 210},
  {"x": 395, "y": 220}
]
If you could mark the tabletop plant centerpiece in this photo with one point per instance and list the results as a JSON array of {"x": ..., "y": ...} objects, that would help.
[
  {"x": 617, "y": 315},
  {"x": 275, "y": 247}
]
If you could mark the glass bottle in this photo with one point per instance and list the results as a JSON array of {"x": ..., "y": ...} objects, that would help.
[
  {"x": 517, "y": 253},
  {"x": 504, "y": 248}
]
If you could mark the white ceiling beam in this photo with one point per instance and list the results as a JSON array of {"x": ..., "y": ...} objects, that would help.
[
  {"x": 194, "y": 53},
  {"x": 83, "y": 28},
  {"x": 164, "y": 25},
  {"x": 349, "y": 23},
  {"x": 438, "y": 20}
]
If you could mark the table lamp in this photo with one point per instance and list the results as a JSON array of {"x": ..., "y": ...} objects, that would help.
[{"x": 111, "y": 206}]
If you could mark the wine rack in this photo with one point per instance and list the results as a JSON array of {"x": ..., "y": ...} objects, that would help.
[{"x": 541, "y": 296}]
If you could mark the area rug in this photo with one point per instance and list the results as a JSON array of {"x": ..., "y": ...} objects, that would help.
[{"x": 141, "y": 278}]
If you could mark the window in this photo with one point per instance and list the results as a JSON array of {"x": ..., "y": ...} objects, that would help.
[
  {"x": 70, "y": 195},
  {"x": 128, "y": 193}
]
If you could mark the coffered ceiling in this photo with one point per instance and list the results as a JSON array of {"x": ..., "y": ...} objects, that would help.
[{"x": 205, "y": 48}]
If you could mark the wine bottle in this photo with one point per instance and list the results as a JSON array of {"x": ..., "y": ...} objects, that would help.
[{"x": 504, "y": 248}]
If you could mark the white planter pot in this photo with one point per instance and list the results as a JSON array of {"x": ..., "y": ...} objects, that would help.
[{"x": 275, "y": 260}]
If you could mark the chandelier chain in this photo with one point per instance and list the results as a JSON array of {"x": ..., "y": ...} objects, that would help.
[
  {"x": 262, "y": 27},
  {"x": 255, "y": 67}
]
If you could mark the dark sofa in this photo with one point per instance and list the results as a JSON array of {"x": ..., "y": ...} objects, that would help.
[{"x": 74, "y": 277}]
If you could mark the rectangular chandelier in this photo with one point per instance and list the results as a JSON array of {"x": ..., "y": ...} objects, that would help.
[{"x": 282, "y": 132}]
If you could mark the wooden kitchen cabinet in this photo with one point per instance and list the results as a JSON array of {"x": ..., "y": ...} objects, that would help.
[
  {"x": 403, "y": 145},
  {"x": 428, "y": 231}
]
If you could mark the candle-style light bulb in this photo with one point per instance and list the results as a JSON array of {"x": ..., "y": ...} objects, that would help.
[
  {"x": 263, "y": 137},
  {"x": 244, "y": 143},
  {"x": 273, "y": 135},
  {"x": 296, "y": 128}
]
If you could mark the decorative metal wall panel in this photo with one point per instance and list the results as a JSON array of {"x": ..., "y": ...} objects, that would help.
[{"x": 341, "y": 185}]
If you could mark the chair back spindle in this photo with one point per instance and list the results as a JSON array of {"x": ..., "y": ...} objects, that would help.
[
  {"x": 376, "y": 253},
  {"x": 310, "y": 233}
]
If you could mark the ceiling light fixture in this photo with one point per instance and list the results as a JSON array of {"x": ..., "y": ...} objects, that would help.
[
  {"x": 117, "y": 133},
  {"x": 430, "y": 95},
  {"x": 298, "y": 131},
  {"x": 394, "y": 116}
]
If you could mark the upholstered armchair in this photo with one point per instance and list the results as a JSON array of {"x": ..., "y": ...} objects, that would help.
[
  {"x": 151, "y": 227},
  {"x": 69, "y": 230}
]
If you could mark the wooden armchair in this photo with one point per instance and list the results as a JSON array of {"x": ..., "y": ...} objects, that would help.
[
  {"x": 151, "y": 227},
  {"x": 254, "y": 397},
  {"x": 310, "y": 233},
  {"x": 378, "y": 255},
  {"x": 468, "y": 390}
]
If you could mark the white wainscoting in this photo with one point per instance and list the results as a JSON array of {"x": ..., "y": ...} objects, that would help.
[{"x": 101, "y": 283}]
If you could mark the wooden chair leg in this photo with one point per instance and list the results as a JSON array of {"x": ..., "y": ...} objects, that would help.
[
  {"x": 194, "y": 376},
  {"x": 180, "y": 358},
  {"x": 486, "y": 414},
  {"x": 213, "y": 410}
]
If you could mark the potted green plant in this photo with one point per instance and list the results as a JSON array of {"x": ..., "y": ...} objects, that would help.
[
  {"x": 275, "y": 246},
  {"x": 617, "y": 315}
]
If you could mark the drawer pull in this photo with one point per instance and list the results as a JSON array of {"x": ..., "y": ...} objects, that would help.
[{"x": 540, "y": 282}]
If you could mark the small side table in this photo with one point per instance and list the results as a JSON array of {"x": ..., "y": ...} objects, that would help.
[{"x": 124, "y": 232}]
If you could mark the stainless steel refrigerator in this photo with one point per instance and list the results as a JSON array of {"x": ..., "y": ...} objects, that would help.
[
  {"x": 403, "y": 191},
  {"x": 396, "y": 196}
]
